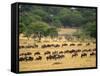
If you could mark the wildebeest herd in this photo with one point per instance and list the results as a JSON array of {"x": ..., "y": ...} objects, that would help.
[
  {"x": 56, "y": 55},
  {"x": 53, "y": 45}
]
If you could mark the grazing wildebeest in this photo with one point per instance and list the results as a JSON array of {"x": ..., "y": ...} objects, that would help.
[
  {"x": 37, "y": 53},
  {"x": 89, "y": 50},
  {"x": 67, "y": 51},
  {"x": 38, "y": 58},
  {"x": 21, "y": 54},
  {"x": 61, "y": 52},
  {"x": 78, "y": 50},
  {"x": 92, "y": 54},
  {"x": 74, "y": 55},
  {"x": 21, "y": 58},
  {"x": 83, "y": 55},
  {"x": 55, "y": 52},
  {"x": 94, "y": 49},
  {"x": 43, "y": 46},
  {"x": 49, "y": 57},
  {"x": 85, "y": 50},
  {"x": 28, "y": 46},
  {"x": 21, "y": 47},
  {"x": 56, "y": 45},
  {"x": 55, "y": 57},
  {"x": 72, "y": 51},
  {"x": 72, "y": 44},
  {"x": 47, "y": 52},
  {"x": 29, "y": 53},
  {"x": 87, "y": 44},
  {"x": 30, "y": 58},
  {"x": 79, "y": 44},
  {"x": 64, "y": 45}
]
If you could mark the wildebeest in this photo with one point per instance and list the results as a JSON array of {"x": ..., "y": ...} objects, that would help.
[
  {"x": 21, "y": 54},
  {"x": 47, "y": 52},
  {"x": 28, "y": 58},
  {"x": 71, "y": 51},
  {"x": 79, "y": 44},
  {"x": 55, "y": 57},
  {"x": 49, "y": 57},
  {"x": 74, "y": 55},
  {"x": 78, "y": 50},
  {"x": 29, "y": 53},
  {"x": 21, "y": 47},
  {"x": 35, "y": 45},
  {"x": 64, "y": 45},
  {"x": 61, "y": 52},
  {"x": 58, "y": 56},
  {"x": 66, "y": 51},
  {"x": 55, "y": 52},
  {"x": 36, "y": 53},
  {"x": 87, "y": 44},
  {"x": 38, "y": 58},
  {"x": 21, "y": 58},
  {"x": 85, "y": 50},
  {"x": 43, "y": 46},
  {"x": 83, "y": 55},
  {"x": 92, "y": 54},
  {"x": 94, "y": 49},
  {"x": 56, "y": 45},
  {"x": 72, "y": 44}
]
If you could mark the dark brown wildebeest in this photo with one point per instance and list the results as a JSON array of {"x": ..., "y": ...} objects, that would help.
[
  {"x": 78, "y": 50},
  {"x": 61, "y": 52},
  {"x": 21, "y": 54},
  {"x": 36, "y": 53},
  {"x": 85, "y": 50},
  {"x": 83, "y": 55},
  {"x": 79, "y": 44},
  {"x": 64, "y": 45},
  {"x": 29, "y": 53},
  {"x": 72, "y": 44},
  {"x": 89, "y": 50},
  {"x": 58, "y": 57},
  {"x": 49, "y": 57},
  {"x": 38, "y": 58},
  {"x": 57, "y": 45},
  {"x": 28, "y": 58},
  {"x": 74, "y": 55},
  {"x": 21, "y": 58},
  {"x": 47, "y": 52},
  {"x": 72, "y": 51},
  {"x": 67, "y": 51},
  {"x": 92, "y": 54},
  {"x": 21, "y": 47},
  {"x": 43, "y": 46}
]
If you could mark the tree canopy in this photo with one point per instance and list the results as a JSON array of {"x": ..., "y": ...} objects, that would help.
[{"x": 43, "y": 19}]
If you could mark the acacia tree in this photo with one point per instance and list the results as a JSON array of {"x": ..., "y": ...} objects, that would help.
[{"x": 41, "y": 29}]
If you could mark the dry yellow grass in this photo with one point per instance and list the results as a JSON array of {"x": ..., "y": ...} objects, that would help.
[
  {"x": 67, "y": 30},
  {"x": 66, "y": 62}
]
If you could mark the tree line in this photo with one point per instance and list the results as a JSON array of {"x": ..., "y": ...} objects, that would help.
[{"x": 44, "y": 20}]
